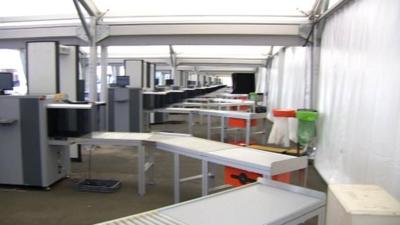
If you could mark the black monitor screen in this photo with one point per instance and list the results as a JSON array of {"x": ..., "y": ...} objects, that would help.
[
  {"x": 6, "y": 81},
  {"x": 243, "y": 83},
  {"x": 122, "y": 81},
  {"x": 169, "y": 82},
  {"x": 63, "y": 123},
  {"x": 191, "y": 82}
]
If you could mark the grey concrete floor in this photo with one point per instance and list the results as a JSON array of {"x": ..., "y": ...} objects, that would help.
[{"x": 64, "y": 205}]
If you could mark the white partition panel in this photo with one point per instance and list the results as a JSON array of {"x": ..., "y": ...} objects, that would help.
[
  {"x": 69, "y": 72},
  {"x": 359, "y": 92},
  {"x": 135, "y": 70},
  {"x": 42, "y": 64}
]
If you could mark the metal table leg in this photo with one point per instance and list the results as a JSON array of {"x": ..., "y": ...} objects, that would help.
[
  {"x": 209, "y": 127},
  {"x": 204, "y": 183},
  {"x": 248, "y": 131},
  {"x": 265, "y": 131},
  {"x": 150, "y": 167},
  {"x": 212, "y": 175},
  {"x": 321, "y": 216},
  {"x": 190, "y": 123},
  {"x": 177, "y": 175},
  {"x": 141, "y": 171},
  {"x": 222, "y": 129}
]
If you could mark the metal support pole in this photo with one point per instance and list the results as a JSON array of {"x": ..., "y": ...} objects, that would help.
[
  {"x": 92, "y": 79},
  {"x": 177, "y": 178},
  {"x": 103, "y": 61}
]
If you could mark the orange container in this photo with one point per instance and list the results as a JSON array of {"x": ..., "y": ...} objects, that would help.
[
  {"x": 237, "y": 177},
  {"x": 241, "y": 123},
  {"x": 284, "y": 112}
]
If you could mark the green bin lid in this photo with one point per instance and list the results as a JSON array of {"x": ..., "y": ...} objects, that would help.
[{"x": 307, "y": 115}]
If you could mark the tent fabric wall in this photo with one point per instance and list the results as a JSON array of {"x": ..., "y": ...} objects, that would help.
[
  {"x": 289, "y": 82},
  {"x": 261, "y": 80},
  {"x": 274, "y": 83},
  {"x": 359, "y": 128},
  {"x": 295, "y": 77}
]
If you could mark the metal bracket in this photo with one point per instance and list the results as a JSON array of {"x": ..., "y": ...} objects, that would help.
[
  {"x": 102, "y": 32},
  {"x": 305, "y": 29}
]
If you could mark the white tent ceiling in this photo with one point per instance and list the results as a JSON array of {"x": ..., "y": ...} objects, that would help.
[
  {"x": 114, "y": 8},
  {"x": 254, "y": 12}
]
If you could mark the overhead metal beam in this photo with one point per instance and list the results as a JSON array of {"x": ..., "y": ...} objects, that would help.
[
  {"x": 52, "y": 32},
  {"x": 221, "y": 61},
  {"x": 202, "y": 69},
  {"x": 90, "y": 7},
  {"x": 232, "y": 39},
  {"x": 195, "y": 61},
  {"x": 204, "y": 29}
]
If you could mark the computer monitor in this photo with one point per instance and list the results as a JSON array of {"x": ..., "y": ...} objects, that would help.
[
  {"x": 191, "y": 82},
  {"x": 6, "y": 82},
  {"x": 169, "y": 82},
  {"x": 122, "y": 81}
]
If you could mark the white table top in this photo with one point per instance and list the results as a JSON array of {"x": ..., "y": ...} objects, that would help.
[
  {"x": 195, "y": 144},
  {"x": 155, "y": 93},
  {"x": 69, "y": 106},
  {"x": 114, "y": 138},
  {"x": 213, "y": 151},
  {"x": 246, "y": 158}
]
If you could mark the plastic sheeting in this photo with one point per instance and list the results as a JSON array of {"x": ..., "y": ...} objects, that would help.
[
  {"x": 359, "y": 92},
  {"x": 274, "y": 82},
  {"x": 289, "y": 83}
]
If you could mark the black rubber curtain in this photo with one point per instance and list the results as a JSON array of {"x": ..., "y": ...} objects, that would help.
[{"x": 243, "y": 83}]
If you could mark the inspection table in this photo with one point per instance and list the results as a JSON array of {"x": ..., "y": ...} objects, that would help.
[
  {"x": 218, "y": 105},
  {"x": 234, "y": 96},
  {"x": 262, "y": 203},
  {"x": 231, "y": 114},
  {"x": 208, "y": 151},
  {"x": 223, "y": 114}
]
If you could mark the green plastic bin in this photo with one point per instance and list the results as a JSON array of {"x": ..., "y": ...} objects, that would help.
[
  {"x": 253, "y": 96},
  {"x": 307, "y": 125}
]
